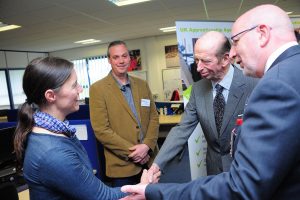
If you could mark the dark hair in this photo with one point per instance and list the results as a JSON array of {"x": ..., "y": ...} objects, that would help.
[
  {"x": 224, "y": 47},
  {"x": 115, "y": 43},
  {"x": 40, "y": 75}
]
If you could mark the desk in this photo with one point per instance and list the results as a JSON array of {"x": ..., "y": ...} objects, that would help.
[
  {"x": 24, "y": 195},
  {"x": 166, "y": 122},
  {"x": 3, "y": 119},
  {"x": 169, "y": 119}
]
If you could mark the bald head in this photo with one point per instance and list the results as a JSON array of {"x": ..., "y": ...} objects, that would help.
[
  {"x": 269, "y": 15},
  {"x": 214, "y": 42},
  {"x": 257, "y": 34}
]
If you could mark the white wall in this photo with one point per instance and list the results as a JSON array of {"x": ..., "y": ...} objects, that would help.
[
  {"x": 17, "y": 59},
  {"x": 152, "y": 54},
  {"x": 2, "y": 60},
  {"x": 12, "y": 60}
]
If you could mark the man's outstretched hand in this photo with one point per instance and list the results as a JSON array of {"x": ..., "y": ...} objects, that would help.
[{"x": 136, "y": 192}]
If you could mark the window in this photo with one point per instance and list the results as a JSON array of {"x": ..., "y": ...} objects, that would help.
[
  {"x": 89, "y": 71},
  {"x": 16, "y": 79},
  {"x": 4, "y": 99},
  {"x": 82, "y": 76},
  {"x": 98, "y": 68}
]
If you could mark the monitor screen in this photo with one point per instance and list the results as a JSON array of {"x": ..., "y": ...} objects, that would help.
[{"x": 6, "y": 145}]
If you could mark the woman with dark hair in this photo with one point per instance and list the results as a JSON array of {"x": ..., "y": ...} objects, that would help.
[{"x": 55, "y": 164}]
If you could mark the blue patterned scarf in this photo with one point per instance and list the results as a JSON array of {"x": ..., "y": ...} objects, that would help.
[{"x": 48, "y": 122}]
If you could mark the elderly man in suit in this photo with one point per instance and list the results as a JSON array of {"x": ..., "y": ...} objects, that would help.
[
  {"x": 267, "y": 159},
  {"x": 211, "y": 55},
  {"x": 124, "y": 118}
]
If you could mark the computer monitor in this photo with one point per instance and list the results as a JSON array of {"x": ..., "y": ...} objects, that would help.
[{"x": 7, "y": 155}]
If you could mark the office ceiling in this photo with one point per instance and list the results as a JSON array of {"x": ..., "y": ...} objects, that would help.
[{"x": 51, "y": 25}]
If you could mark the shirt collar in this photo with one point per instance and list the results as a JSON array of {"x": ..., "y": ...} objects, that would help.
[
  {"x": 127, "y": 84},
  {"x": 226, "y": 81},
  {"x": 277, "y": 53}
]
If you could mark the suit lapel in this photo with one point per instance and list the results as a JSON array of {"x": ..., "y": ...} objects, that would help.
[
  {"x": 113, "y": 87},
  {"x": 234, "y": 97}
]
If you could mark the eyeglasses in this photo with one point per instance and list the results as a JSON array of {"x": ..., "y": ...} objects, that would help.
[{"x": 234, "y": 41}]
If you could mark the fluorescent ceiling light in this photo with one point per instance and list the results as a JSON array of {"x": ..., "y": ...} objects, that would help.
[
  {"x": 88, "y": 41},
  {"x": 6, "y": 27},
  {"x": 288, "y": 13},
  {"x": 126, "y": 2},
  {"x": 168, "y": 29}
]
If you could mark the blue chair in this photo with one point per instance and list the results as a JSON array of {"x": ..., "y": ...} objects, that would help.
[
  {"x": 12, "y": 115},
  {"x": 82, "y": 113},
  {"x": 7, "y": 124}
]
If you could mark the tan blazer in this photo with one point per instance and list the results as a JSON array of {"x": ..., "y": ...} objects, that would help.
[{"x": 116, "y": 127}]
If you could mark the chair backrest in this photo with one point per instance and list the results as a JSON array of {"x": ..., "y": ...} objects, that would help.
[
  {"x": 7, "y": 124},
  {"x": 12, "y": 115},
  {"x": 82, "y": 113}
]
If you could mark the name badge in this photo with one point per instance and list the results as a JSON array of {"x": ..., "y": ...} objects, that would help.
[{"x": 145, "y": 102}]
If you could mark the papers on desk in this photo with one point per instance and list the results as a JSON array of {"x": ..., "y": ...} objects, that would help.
[{"x": 175, "y": 105}]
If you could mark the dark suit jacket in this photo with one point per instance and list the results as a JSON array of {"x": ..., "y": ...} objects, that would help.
[
  {"x": 200, "y": 109},
  {"x": 267, "y": 160},
  {"x": 116, "y": 127}
]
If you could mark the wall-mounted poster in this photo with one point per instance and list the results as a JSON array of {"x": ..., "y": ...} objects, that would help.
[
  {"x": 172, "y": 58},
  {"x": 135, "y": 63}
]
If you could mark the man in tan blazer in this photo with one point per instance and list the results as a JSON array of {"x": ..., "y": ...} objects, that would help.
[{"x": 124, "y": 119}]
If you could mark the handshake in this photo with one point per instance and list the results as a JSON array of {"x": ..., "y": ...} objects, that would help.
[{"x": 137, "y": 192}]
